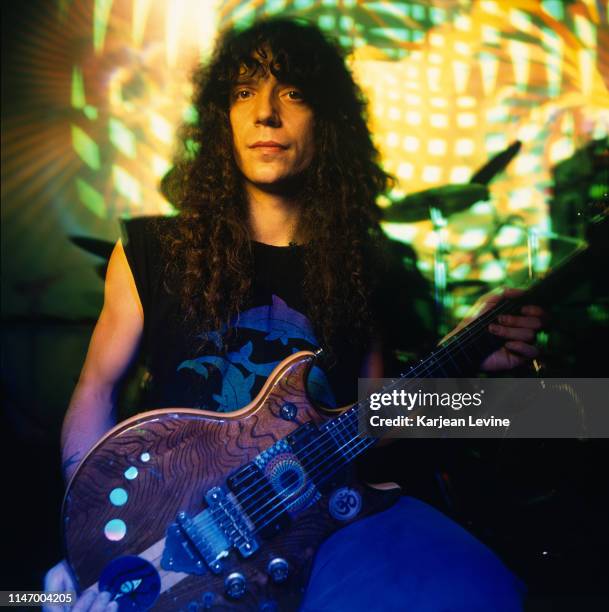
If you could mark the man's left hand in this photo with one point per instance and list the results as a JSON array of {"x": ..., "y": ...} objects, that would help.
[{"x": 518, "y": 330}]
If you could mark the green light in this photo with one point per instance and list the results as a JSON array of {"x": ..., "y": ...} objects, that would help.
[
  {"x": 418, "y": 12},
  {"x": 542, "y": 338},
  {"x": 244, "y": 16},
  {"x": 91, "y": 198},
  {"x": 86, "y": 148},
  {"x": 437, "y": 15},
  {"x": 554, "y": 8},
  {"x": 78, "y": 89},
  {"x": 274, "y": 6},
  {"x": 90, "y": 112},
  {"x": 392, "y": 33},
  {"x": 326, "y": 22},
  {"x": 303, "y": 4},
  {"x": 126, "y": 185},
  {"x": 190, "y": 115},
  {"x": 192, "y": 148},
  {"x": 346, "y": 23},
  {"x": 598, "y": 191},
  {"x": 396, "y": 9},
  {"x": 101, "y": 13},
  {"x": 417, "y": 35},
  {"x": 122, "y": 138}
]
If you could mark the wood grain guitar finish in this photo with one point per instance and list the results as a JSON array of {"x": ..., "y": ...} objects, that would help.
[{"x": 132, "y": 486}]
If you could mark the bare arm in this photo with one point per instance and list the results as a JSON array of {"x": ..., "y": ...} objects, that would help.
[{"x": 113, "y": 345}]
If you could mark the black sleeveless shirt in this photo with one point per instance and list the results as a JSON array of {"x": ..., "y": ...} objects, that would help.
[{"x": 187, "y": 370}]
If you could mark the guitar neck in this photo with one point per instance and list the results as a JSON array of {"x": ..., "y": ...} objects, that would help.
[{"x": 462, "y": 354}]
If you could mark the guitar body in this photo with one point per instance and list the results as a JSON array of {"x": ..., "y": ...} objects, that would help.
[{"x": 120, "y": 511}]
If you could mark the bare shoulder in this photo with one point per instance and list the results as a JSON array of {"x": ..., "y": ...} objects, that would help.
[{"x": 120, "y": 292}]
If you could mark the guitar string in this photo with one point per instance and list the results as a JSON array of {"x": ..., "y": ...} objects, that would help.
[
  {"x": 423, "y": 365},
  {"x": 471, "y": 331},
  {"x": 395, "y": 382}
]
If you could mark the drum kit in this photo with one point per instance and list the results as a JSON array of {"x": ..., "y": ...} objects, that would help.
[{"x": 452, "y": 293}]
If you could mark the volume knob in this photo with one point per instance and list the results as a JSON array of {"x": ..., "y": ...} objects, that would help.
[
  {"x": 234, "y": 585},
  {"x": 278, "y": 569}
]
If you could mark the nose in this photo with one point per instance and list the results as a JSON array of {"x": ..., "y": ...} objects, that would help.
[{"x": 267, "y": 110}]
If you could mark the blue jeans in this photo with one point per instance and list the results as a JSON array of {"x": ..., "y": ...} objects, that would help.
[{"x": 409, "y": 558}]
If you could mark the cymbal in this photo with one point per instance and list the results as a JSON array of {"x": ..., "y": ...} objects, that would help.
[
  {"x": 496, "y": 164},
  {"x": 449, "y": 199},
  {"x": 95, "y": 246}
]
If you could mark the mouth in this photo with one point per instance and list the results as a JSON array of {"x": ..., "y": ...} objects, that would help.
[{"x": 268, "y": 145}]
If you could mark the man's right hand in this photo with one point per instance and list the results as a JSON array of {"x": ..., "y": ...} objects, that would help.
[{"x": 58, "y": 579}]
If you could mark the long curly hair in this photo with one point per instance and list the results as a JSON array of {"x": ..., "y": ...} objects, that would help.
[{"x": 211, "y": 248}]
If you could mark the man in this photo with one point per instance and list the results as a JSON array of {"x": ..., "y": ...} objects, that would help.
[{"x": 277, "y": 248}]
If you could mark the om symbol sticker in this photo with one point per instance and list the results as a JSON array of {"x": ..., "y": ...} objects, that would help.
[{"x": 345, "y": 503}]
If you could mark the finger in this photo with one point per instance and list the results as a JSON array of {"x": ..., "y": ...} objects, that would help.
[
  {"x": 518, "y": 321},
  {"x": 529, "y": 351},
  {"x": 84, "y": 603},
  {"x": 534, "y": 311},
  {"x": 512, "y": 333}
]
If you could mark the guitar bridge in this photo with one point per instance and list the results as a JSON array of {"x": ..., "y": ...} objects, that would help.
[{"x": 208, "y": 536}]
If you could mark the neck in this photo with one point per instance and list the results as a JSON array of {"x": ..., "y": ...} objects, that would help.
[{"x": 273, "y": 217}]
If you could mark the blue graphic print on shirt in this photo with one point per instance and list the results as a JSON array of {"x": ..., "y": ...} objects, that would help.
[{"x": 238, "y": 372}]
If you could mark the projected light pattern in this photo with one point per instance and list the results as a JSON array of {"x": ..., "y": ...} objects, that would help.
[{"x": 450, "y": 83}]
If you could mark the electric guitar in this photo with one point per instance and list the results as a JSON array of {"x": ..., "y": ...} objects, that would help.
[{"x": 183, "y": 509}]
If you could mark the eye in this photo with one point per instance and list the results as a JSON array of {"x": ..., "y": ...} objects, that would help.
[
  {"x": 295, "y": 94},
  {"x": 242, "y": 94}
]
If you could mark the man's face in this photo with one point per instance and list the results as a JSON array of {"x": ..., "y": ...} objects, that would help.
[{"x": 272, "y": 128}]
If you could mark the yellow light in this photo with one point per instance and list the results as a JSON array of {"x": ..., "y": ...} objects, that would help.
[
  {"x": 464, "y": 146},
  {"x": 410, "y": 144},
  {"x": 465, "y": 120},
  {"x": 438, "y": 121},
  {"x": 436, "y": 146},
  {"x": 521, "y": 21},
  {"x": 460, "y": 75},
  {"x": 405, "y": 232},
  {"x": 463, "y": 23},
  {"x": 413, "y": 117},
  {"x": 466, "y": 102},
  {"x": 434, "y": 76},
  {"x": 462, "y": 48},
  {"x": 432, "y": 174},
  {"x": 161, "y": 128},
  {"x": 405, "y": 170},
  {"x": 561, "y": 149},
  {"x": 526, "y": 163},
  {"x": 160, "y": 165},
  {"x": 392, "y": 139},
  {"x": 490, "y": 6},
  {"x": 490, "y": 35},
  {"x": 472, "y": 238},
  {"x": 460, "y": 174},
  {"x": 438, "y": 102}
]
